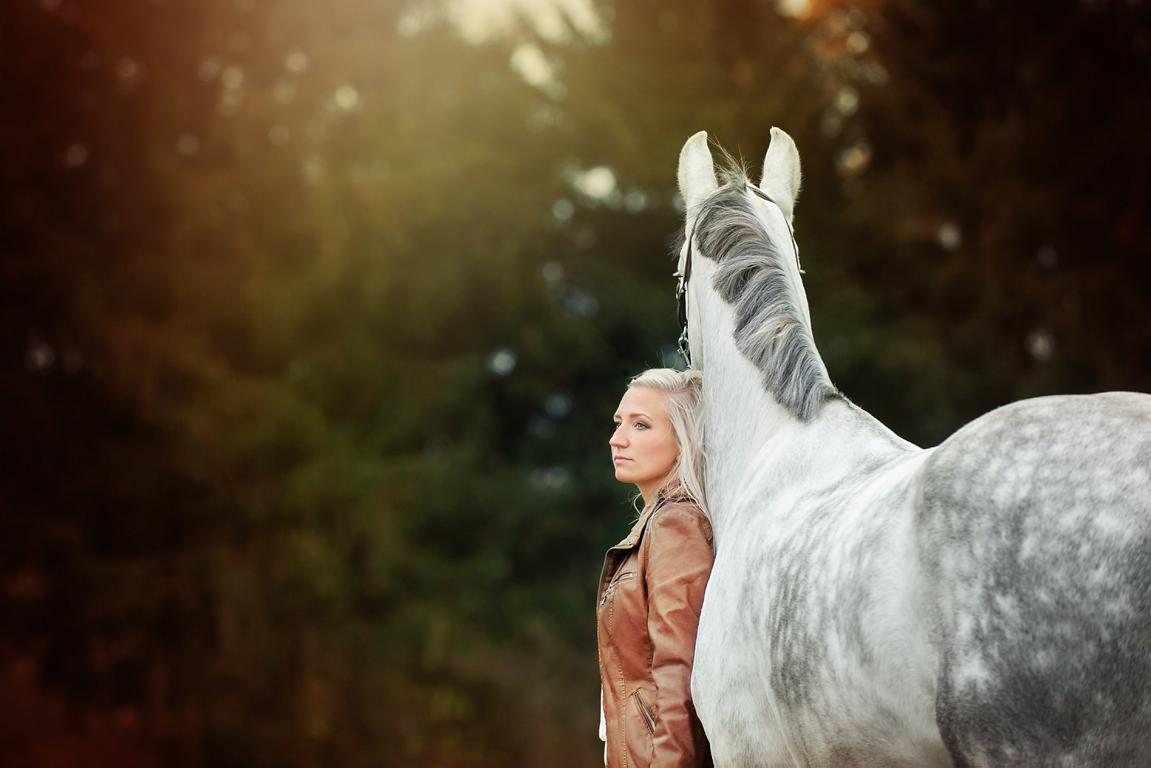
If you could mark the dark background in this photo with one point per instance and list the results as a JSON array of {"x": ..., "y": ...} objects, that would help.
[{"x": 313, "y": 316}]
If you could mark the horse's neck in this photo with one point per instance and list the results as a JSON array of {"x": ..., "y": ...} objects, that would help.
[
  {"x": 760, "y": 452},
  {"x": 757, "y": 448},
  {"x": 740, "y": 417},
  {"x": 743, "y": 420},
  {"x": 843, "y": 441}
]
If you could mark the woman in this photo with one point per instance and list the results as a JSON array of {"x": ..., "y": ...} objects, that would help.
[{"x": 653, "y": 581}]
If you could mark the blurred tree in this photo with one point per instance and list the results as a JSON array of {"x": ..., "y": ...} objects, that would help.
[
  {"x": 295, "y": 314},
  {"x": 313, "y": 317},
  {"x": 1002, "y": 200}
]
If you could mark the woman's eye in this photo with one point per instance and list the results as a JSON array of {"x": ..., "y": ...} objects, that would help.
[{"x": 640, "y": 425}]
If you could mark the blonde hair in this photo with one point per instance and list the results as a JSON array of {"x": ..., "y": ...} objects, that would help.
[{"x": 684, "y": 390}]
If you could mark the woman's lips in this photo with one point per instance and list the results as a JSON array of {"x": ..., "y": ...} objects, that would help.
[{"x": 618, "y": 459}]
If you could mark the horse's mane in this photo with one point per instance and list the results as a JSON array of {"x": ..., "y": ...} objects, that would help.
[{"x": 752, "y": 276}]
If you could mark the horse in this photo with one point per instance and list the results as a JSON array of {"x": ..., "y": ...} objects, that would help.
[{"x": 986, "y": 602}]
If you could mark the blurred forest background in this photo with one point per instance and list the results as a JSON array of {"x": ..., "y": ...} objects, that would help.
[{"x": 313, "y": 316}]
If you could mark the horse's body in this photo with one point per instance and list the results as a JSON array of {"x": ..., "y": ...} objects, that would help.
[{"x": 984, "y": 602}]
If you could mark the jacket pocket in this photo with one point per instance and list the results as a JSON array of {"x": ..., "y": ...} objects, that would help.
[
  {"x": 613, "y": 583},
  {"x": 609, "y": 596},
  {"x": 644, "y": 712}
]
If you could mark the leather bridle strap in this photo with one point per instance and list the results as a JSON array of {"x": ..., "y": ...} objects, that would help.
[{"x": 681, "y": 300}]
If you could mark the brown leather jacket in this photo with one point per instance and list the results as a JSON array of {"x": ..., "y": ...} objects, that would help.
[{"x": 650, "y": 594}]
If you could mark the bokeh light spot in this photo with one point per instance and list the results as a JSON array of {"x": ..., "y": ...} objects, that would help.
[
  {"x": 854, "y": 160},
  {"x": 794, "y": 8},
  {"x": 553, "y": 272},
  {"x": 75, "y": 155},
  {"x": 416, "y": 20},
  {"x": 551, "y": 479},
  {"x": 558, "y": 404},
  {"x": 581, "y": 303},
  {"x": 39, "y": 356},
  {"x": 128, "y": 71},
  {"x": 313, "y": 168},
  {"x": 188, "y": 145},
  {"x": 232, "y": 78},
  {"x": 563, "y": 209},
  {"x": 531, "y": 64},
  {"x": 636, "y": 200},
  {"x": 208, "y": 69},
  {"x": 949, "y": 235},
  {"x": 857, "y": 42},
  {"x": 597, "y": 183},
  {"x": 346, "y": 98},
  {"x": 296, "y": 62},
  {"x": 230, "y": 102},
  {"x": 847, "y": 100},
  {"x": 502, "y": 361},
  {"x": 1041, "y": 344}
]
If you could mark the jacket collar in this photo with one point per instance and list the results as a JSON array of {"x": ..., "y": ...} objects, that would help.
[{"x": 663, "y": 497}]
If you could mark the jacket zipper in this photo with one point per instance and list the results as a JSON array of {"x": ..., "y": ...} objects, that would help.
[
  {"x": 607, "y": 590},
  {"x": 648, "y": 720}
]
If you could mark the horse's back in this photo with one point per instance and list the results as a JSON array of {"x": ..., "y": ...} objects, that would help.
[{"x": 1035, "y": 534}]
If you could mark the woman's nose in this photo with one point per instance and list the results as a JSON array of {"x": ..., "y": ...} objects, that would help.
[{"x": 617, "y": 440}]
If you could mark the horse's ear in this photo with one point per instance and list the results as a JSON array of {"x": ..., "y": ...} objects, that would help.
[
  {"x": 696, "y": 174},
  {"x": 781, "y": 174}
]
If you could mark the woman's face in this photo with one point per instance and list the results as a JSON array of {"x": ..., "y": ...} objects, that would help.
[{"x": 643, "y": 446}]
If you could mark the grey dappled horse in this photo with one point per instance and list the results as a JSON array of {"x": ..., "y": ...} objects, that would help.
[{"x": 986, "y": 602}]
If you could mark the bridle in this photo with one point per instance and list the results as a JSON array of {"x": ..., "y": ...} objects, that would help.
[{"x": 681, "y": 290}]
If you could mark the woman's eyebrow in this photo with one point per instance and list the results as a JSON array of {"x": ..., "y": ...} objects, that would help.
[{"x": 633, "y": 415}]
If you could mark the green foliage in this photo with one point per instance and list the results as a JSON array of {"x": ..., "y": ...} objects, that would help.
[{"x": 313, "y": 321}]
